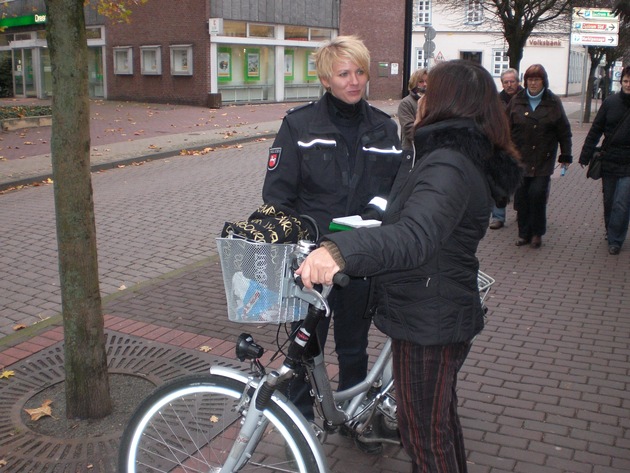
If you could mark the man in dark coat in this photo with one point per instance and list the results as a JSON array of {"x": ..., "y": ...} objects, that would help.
[{"x": 511, "y": 86}]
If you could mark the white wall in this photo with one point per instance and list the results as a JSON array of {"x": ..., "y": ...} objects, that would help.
[{"x": 552, "y": 50}]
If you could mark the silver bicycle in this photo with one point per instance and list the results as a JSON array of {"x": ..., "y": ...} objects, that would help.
[{"x": 233, "y": 421}]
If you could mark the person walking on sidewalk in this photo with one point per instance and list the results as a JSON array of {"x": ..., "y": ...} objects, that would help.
[
  {"x": 511, "y": 86},
  {"x": 538, "y": 123},
  {"x": 330, "y": 158},
  {"x": 613, "y": 121},
  {"x": 423, "y": 258},
  {"x": 408, "y": 106}
]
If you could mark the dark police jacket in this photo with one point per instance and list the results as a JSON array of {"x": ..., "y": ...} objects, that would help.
[
  {"x": 309, "y": 169},
  {"x": 423, "y": 257}
]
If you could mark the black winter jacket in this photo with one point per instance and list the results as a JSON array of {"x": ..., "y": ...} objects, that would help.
[
  {"x": 423, "y": 256},
  {"x": 537, "y": 133},
  {"x": 616, "y": 160},
  {"x": 310, "y": 170}
]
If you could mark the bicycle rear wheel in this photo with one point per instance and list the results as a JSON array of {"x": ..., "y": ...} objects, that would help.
[{"x": 190, "y": 425}]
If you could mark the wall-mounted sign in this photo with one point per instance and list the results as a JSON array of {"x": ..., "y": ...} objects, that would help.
[
  {"x": 215, "y": 26},
  {"x": 36, "y": 19}
]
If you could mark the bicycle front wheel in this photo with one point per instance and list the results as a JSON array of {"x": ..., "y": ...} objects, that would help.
[{"x": 190, "y": 425}]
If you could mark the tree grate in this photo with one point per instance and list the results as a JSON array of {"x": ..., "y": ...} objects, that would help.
[{"x": 25, "y": 450}]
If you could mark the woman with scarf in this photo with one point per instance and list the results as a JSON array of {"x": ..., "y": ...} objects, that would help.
[
  {"x": 538, "y": 125},
  {"x": 408, "y": 106},
  {"x": 422, "y": 259}
]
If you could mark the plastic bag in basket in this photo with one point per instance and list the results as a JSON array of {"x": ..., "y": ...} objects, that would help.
[{"x": 254, "y": 300}]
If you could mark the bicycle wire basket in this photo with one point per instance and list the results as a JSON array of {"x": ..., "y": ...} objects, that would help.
[
  {"x": 484, "y": 282},
  {"x": 258, "y": 283}
]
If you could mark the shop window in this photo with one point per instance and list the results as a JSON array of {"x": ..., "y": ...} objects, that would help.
[
  {"x": 474, "y": 56},
  {"x": 235, "y": 28},
  {"x": 150, "y": 60},
  {"x": 123, "y": 60},
  {"x": 296, "y": 33},
  {"x": 181, "y": 60},
  {"x": 261, "y": 31},
  {"x": 318, "y": 34},
  {"x": 95, "y": 32}
]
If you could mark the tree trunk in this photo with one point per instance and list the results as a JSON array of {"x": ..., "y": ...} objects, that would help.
[{"x": 87, "y": 382}]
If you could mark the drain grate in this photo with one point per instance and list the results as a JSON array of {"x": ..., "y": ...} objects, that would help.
[{"x": 27, "y": 451}]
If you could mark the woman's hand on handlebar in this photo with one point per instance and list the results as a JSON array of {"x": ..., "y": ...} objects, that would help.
[{"x": 319, "y": 267}]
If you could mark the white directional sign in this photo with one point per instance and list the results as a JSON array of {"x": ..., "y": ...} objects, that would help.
[
  {"x": 592, "y": 39},
  {"x": 594, "y": 27}
]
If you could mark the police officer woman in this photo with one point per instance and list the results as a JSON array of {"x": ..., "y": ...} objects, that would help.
[{"x": 330, "y": 158}]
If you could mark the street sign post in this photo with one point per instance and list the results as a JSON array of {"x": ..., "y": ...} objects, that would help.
[{"x": 594, "y": 27}]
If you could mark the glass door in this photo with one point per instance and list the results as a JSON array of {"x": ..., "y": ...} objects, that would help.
[
  {"x": 23, "y": 74},
  {"x": 30, "y": 87},
  {"x": 18, "y": 73}
]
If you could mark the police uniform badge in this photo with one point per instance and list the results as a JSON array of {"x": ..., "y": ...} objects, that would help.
[{"x": 274, "y": 158}]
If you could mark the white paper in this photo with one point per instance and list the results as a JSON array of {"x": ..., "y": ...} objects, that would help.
[{"x": 355, "y": 221}]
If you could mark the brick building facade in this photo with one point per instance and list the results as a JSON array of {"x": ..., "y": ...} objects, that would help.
[{"x": 195, "y": 51}]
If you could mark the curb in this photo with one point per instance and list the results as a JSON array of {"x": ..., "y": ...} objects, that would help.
[{"x": 249, "y": 134}]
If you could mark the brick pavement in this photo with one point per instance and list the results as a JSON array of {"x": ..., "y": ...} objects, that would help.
[{"x": 545, "y": 388}]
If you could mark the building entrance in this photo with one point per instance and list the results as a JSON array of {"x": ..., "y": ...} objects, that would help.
[{"x": 24, "y": 84}]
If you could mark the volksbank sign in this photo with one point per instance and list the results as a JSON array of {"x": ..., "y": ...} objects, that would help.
[{"x": 27, "y": 20}]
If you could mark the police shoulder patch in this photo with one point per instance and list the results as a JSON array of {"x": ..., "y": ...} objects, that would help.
[{"x": 274, "y": 158}]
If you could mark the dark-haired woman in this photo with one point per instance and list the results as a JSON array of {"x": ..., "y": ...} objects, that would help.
[
  {"x": 423, "y": 257},
  {"x": 538, "y": 125},
  {"x": 613, "y": 121}
]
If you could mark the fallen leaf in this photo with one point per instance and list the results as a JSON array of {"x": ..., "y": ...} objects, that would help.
[
  {"x": 28, "y": 143},
  {"x": 7, "y": 374},
  {"x": 204, "y": 349},
  {"x": 19, "y": 327},
  {"x": 3, "y": 462},
  {"x": 39, "y": 412},
  {"x": 122, "y": 287},
  {"x": 214, "y": 419}
]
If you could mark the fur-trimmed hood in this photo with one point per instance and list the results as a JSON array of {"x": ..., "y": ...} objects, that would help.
[{"x": 503, "y": 171}]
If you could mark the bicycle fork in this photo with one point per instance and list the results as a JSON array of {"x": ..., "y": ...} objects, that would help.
[{"x": 254, "y": 421}]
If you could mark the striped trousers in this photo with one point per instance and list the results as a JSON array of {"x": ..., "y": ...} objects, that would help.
[{"x": 425, "y": 379}]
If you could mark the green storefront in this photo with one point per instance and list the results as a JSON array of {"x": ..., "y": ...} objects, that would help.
[{"x": 25, "y": 61}]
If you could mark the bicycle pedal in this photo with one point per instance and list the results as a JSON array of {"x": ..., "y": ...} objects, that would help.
[{"x": 377, "y": 434}]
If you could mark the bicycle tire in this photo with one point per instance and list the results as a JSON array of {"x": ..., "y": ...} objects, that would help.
[{"x": 190, "y": 424}]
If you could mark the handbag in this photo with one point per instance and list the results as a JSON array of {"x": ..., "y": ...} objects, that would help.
[{"x": 594, "y": 170}]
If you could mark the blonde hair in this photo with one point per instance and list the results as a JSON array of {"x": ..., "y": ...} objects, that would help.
[
  {"x": 415, "y": 78},
  {"x": 341, "y": 47}
]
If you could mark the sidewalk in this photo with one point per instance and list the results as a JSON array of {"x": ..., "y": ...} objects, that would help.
[
  {"x": 546, "y": 386},
  {"x": 126, "y": 132}
]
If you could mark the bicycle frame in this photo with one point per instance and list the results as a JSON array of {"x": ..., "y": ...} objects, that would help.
[
  {"x": 254, "y": 420},
  {"x": 353, "y": 397},
  {"x": 358, "y": 405}
]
